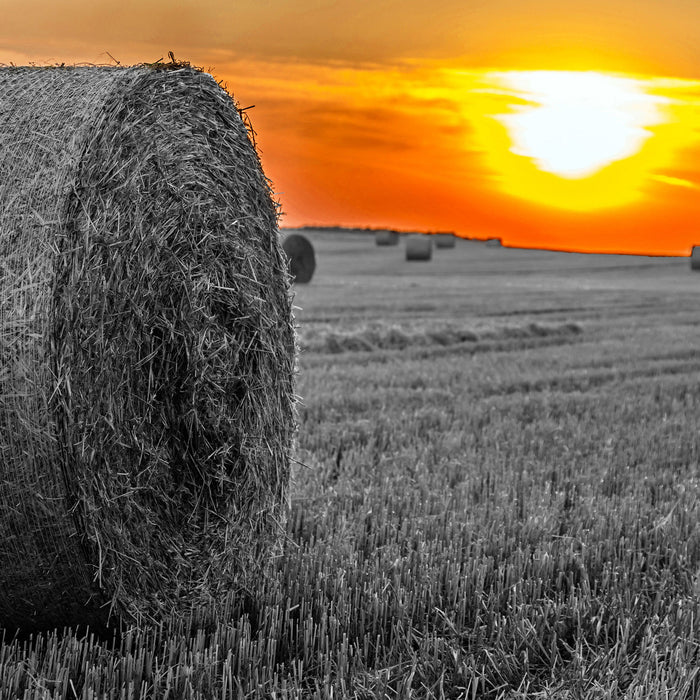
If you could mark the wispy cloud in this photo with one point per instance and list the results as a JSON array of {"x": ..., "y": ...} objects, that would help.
[{"x": 675, "y": 181}]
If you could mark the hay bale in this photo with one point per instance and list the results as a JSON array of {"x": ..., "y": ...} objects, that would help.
[
  {"x": 445, "y": 240},
  {"x": 695, "y": 258},
  {"x": 419, "y": 246},
  {"x": 301, "y": 257},
  {"x": 386, "y": 238},
  {"x": 493, "y": 243},
  {"x": 146, "y": 346}
]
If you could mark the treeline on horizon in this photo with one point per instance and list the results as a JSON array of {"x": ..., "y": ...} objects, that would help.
[{"x": 366, "y": 229}]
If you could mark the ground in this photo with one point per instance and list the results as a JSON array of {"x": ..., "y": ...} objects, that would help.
[{"x": 495, "y": 494}]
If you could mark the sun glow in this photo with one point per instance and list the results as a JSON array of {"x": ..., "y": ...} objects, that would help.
[
  {"x": 575, "y": 140},
  {"x": 578, "y": 122}
]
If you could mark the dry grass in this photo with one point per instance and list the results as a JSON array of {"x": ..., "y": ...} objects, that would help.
[
  {"x": 518, "y": 521},
  {"x": 147, "y": 346}
]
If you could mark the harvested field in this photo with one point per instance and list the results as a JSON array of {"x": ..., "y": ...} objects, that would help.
[{"x": 495, "y": 496}]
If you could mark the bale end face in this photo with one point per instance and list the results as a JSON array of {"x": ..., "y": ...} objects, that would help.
[
  {"x": 301, "y": 257},
  {"x": 695, "y": 258}
]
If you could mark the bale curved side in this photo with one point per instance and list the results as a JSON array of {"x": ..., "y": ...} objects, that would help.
[
  {"x": 147, "y": 347},
  {"x": 419, "y": 247},
  {"x": 301, "y": 256},
  {"x": 695, "y": 258},
  {"x": 445, "y": 240},
  {"x": 382, "y": 238}
]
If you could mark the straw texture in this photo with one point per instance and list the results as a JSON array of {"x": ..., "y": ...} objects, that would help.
[
  {"x": 146, "y": 346},
  {"x": 386, "y": 237},
  {"x": 301, "y": 256},
  {"x": 419, "y": 247},
  {"x": 695, "y": 258}
]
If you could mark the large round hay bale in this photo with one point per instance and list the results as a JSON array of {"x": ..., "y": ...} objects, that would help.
[
  {"x": 146, "y": 346},
  {"x": 445, "y": 240},
  {"x": 386, "y": 237},
  {"x": 419, "y": 247},
  {"x": 300, "y": 253},
  {"x": 695, "y": 258}
]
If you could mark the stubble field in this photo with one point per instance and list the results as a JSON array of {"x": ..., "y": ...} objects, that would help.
[{"x": 495, "y": 495}]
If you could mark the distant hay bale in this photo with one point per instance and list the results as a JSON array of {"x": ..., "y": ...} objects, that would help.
[
  {"x": 419, "y": 247},
  {"x": 695, "y": 258},
  {"x": 445, "y": 240},
  {"x": 301, "y": 256},
  {"x": 386, "y": 237},
  {"x": 493, "y": 243},
  {"x": 146, "y": 342}
]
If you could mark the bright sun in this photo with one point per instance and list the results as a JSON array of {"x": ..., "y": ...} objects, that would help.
[
  {"x": 574, "y": 140},
  {"x": 578, "y": 122}
]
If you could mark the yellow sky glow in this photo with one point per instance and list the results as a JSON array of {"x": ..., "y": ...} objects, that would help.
[
  {"x": 579, "y": 122},
  {"x": 534, "y": 122},
  {"x": 580, "y": 140}
]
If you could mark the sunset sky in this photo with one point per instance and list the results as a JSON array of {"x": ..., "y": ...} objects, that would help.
[{"x": 568, "y": 125}]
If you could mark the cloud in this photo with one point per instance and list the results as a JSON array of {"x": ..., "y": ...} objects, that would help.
[
  {"x": 675, "y": 181},
  {"x": 595, "y": 34}
]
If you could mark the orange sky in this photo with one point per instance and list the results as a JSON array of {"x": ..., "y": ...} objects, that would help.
[{"x": 397, "y": 112}]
